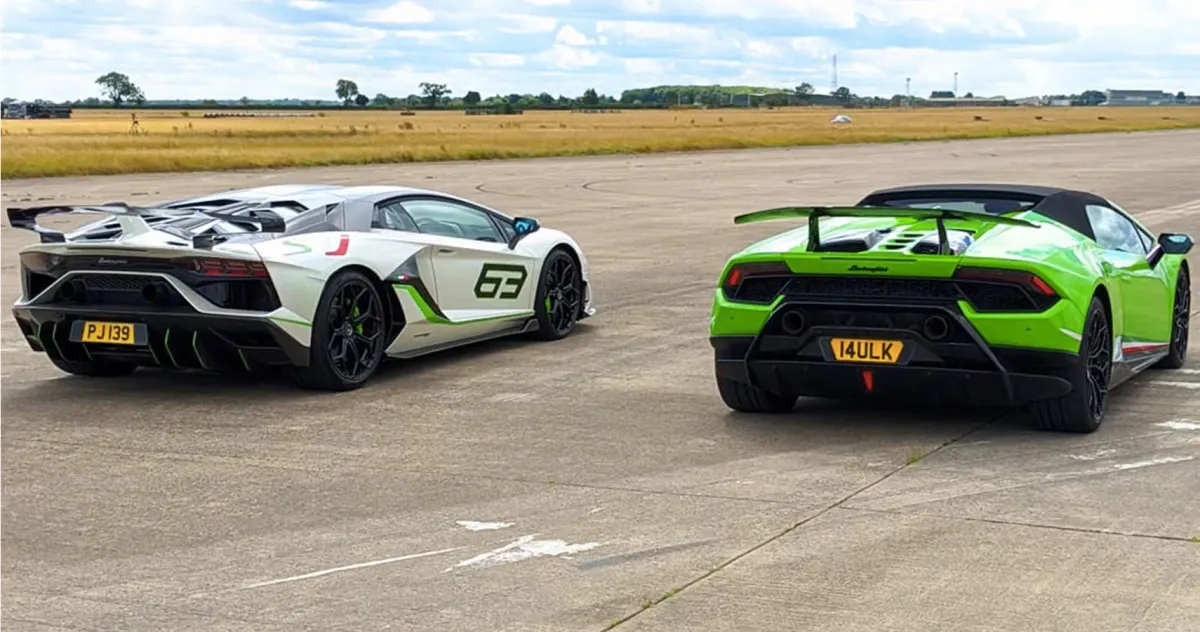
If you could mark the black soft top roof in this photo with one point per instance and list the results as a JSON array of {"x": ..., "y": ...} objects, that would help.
[{"x": 1065, "y": 206}]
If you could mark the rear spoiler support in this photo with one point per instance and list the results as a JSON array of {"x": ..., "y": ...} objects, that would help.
[
  {"x": 815, "y": 213},
  {"x": 133, "y": 220}
]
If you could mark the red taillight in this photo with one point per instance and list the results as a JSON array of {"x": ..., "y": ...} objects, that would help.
[
  {"x": 740, "y": 271},
  {"x": 1001, "y": 275},
  {"x": 225, "y": 267}
]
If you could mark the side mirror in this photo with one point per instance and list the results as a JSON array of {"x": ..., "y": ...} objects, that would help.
[
  {"x": 1169, "y": 244},
  {"x": 1175, "y": 243},
  {"x": 522, "y": 226}
]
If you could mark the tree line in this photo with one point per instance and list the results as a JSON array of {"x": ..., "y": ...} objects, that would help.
[{"x": 119, "y": 90}]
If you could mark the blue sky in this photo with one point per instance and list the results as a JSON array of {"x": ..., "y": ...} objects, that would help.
[{"x": 55, "y": 49}]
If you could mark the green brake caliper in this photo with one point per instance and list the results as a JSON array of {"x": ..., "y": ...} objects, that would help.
[{"x": 354, "y": 314}]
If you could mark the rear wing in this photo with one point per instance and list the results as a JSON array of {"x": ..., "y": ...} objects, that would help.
[
  {"x": 815, "y": 213},
  {"x": 136, "y": 220}
]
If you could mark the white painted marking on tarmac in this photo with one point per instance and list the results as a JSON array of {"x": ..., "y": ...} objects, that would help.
[
  {"x": 471, "y": 525},
  {"x": 524, "y": 548},
  {"x": 1188, "y": 371},
  {"x": 1191, "y": 385},
  {"x": 1093, "y": 456},
  {"x": 1179, "y": 424},
  {"x": 351, "y": 567},
  {"x": 1163, "y": 460}
]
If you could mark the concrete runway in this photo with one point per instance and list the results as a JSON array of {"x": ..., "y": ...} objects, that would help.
[{"x": 571, "y": 485}]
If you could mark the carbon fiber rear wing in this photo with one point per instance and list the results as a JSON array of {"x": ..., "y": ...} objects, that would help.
[
  {"x": 815, "y": 213},
  {"x": 135, "y": 220}
]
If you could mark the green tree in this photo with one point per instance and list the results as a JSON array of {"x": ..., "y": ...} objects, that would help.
[
  {"x": 119, "y": 88},
  {"x": 362, "y": 100},
  {"x": 346, "y": 90},
  {"x": 590, "y": 98},
  {"x": 433, "y": 92},
  {"x": 842, "y": 94},
  {"x": 472, "y": 99},
  {"x": 805, "y": 89}
]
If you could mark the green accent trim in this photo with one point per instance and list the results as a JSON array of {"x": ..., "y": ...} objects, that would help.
[
  {"x": 54, "y": 339},
  {"x": 167, "y": 346},
  {"x": 196, "y": 349},
  {"x": 244, "y": 362},
  {"x": 303, "y": 249},
  {"x": 291, "y": 321},
  {"x": 153, "y": 354},
  {"x": 428, "y": 314}
]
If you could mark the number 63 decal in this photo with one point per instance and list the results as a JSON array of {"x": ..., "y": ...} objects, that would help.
[{"x": 496, "y": 276}]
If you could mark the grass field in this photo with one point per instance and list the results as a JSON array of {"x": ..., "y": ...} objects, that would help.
[{"x": 102, "y": 141}]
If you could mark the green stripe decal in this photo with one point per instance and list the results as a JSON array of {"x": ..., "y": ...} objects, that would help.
[
  {"x": 291, "y": 321},
  {"x": 196, "y": 349},
  {"x": 428, "y": 314},
  {"x": 167, "y": 346}
]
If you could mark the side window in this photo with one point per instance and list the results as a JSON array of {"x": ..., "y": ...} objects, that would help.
[
  {"x": 1114, "y": 232},
  {"x": 392, "y": 216},
  {"x": 448, "y": 219}
]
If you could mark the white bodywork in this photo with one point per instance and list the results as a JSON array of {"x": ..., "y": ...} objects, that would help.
[{"x": 300, "y": 261}]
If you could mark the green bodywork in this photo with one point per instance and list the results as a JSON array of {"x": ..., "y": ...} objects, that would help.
[{"x": 1140, "y": 296}]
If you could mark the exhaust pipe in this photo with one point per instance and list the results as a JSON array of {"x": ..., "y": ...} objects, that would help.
[
  {"x": 793, "y": 322},
  {"x": 936, "y": 327},
  {"x": 157, "y": 293},
  {"x": 74, "y": 290}
]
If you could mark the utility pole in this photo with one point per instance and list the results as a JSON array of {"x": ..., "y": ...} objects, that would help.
[
  {"x": 956, "y": 83},
  {"x": 908, "y": 90}
]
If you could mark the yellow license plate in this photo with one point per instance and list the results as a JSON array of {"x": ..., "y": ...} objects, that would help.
[
  {"x": 863, "y": 350},
  {"x": 108, "y": 333}
]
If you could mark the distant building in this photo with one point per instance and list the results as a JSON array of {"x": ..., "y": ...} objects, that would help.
[
  {"x": 1035, "y": 101},
  {"x": 966, "y": 102},
  {"x": 1138, "y": 98},
  {"x": 36, "y": 110}
]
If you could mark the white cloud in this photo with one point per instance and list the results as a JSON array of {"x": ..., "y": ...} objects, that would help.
[
  {"x": 524, "y": 23},
  {"x": 309, "y": 5},
  {"x": 568, "y": 57},
  {"x": 496, "y": 60},
  {"x": 571, "y": 36},
  {"x": 403, "y": 12}
]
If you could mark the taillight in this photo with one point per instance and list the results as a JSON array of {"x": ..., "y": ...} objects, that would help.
[
  {"x": 742, "y": 271},
  {"x": 225, "y": 267},
  {"x": 1028, "y": 280}
]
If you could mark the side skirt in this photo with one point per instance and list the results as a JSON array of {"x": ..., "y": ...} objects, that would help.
[{"x": 522, "y": 328}]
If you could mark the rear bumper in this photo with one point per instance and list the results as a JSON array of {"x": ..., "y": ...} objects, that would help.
[
  {"x": 951, "y": 386},
  {"x": 166, "y": 339},
  {"x": 963, "y": 374}
]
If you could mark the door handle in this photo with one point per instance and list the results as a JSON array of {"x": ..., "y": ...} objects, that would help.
[{"x": 445, "y": 251}]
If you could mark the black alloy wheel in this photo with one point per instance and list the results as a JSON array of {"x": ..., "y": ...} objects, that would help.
[
  {"x": 348, "y": 335},
  {"x": 560, "y": 296},
  {"x": 1099, "y": 364},
  {"x": 356, "y": 326}
]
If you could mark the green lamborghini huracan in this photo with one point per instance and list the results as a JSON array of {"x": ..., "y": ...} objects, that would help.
[{"x": 977, "y": 294}]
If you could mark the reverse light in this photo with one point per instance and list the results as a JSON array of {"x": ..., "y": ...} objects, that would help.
[
  {"x": 1028, "y": 280},
  {"x": 225, "y": 267}
]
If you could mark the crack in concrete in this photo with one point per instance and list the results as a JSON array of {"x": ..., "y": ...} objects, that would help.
[
  {"x": 821, "y": 512},
  {"x": 1031, "y": 525}
]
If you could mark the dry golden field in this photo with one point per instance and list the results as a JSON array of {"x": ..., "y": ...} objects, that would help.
[{"x": 103, "y": 141}]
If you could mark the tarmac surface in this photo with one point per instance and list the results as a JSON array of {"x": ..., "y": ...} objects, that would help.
[{"x": 572, "y": 485}]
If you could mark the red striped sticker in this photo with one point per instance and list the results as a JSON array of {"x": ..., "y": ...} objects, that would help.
[{"x": 343, "y": 246}]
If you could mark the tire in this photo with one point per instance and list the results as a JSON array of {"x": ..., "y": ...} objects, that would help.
[
  {"x": 348, "y": 336},
  {"x": 94, "y": 368},
  {"x": 1082, "y": 410},
  {"x": 559, "y": 298},
  {"x": 745, "y": 398},
  {"x": 1180, "y": 320}
]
